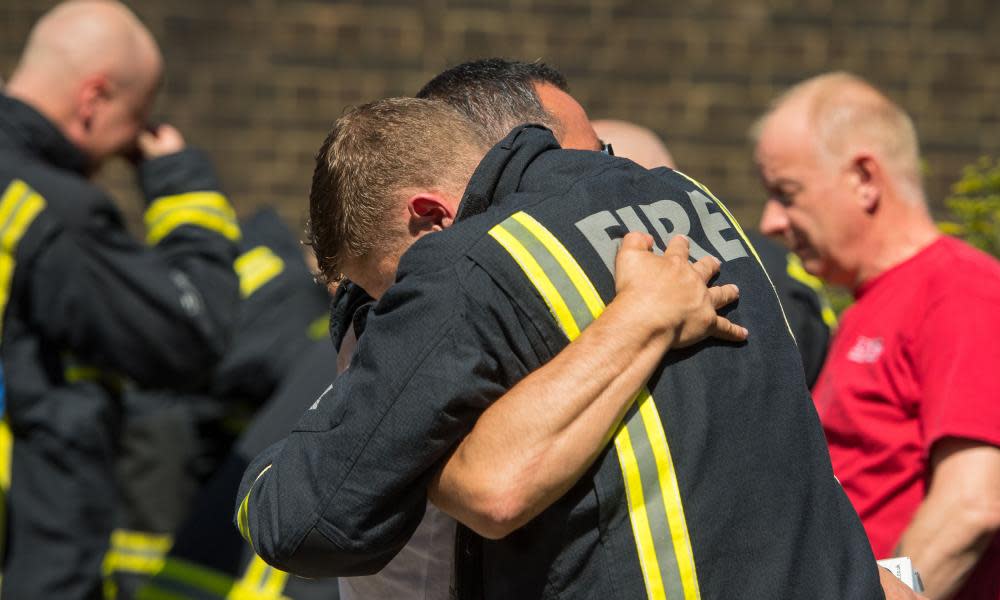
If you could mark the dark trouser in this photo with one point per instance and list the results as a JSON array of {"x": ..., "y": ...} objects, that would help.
[
  {"x": 62, "y": 496},
  {"x": 208, "y": 557}
]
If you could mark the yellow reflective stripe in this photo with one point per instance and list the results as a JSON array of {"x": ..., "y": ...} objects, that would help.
[
  {"x": 75, "y": 374},
  {"x": 648, "y": 564},
  {"x": 134, "y": 552},
  {"x": 11, "y": 198},
  {"x": 193, "y": 216},
  {"x": 665, "y": 476},
  {"x": 580, "y": 280},
  {"x": 256, "y": 267},
  {"x": 212, "y": 201},
  {"x": 671, "y": 496},
  {"x": 243, "y": 515},
  {"x": 122, "y": 562},
  {"x": 319, "y": 328},
  {"x": 260, "y": 581},
  {"x": 19, "y": 207},
  {"x": 141, "y": 541},
  {"x": 275, "y": 584},
  {"x": 201, "y": 578},
  {"x": 538, "y": 278},
  {"x": 6, "y": 450}
]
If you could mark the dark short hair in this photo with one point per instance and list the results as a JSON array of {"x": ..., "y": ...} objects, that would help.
[
  {"x": 496, "y": 94},
  {"x": 372, "y": 153}
]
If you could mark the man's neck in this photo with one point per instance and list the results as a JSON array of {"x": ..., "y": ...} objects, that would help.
[{"x": 898, "y": 235}]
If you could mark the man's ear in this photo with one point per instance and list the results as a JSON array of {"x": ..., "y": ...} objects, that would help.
[
  {"x": 92, "y": 92},
  {"x": 867, "y": 178},
  {"x": 429, "y": 211}
]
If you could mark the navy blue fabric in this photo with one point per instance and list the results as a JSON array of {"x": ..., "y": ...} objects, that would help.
[{"x": 462, "y": 324}]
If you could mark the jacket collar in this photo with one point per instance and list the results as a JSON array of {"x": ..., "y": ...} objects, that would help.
[
  {"x": 499, "y": 173},
  {"x": 24, "y": 128}
]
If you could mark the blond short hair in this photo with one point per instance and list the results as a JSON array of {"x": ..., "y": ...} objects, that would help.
[
  {"x": 844, "y": 110},
  {"x": 371, "y": 155}
]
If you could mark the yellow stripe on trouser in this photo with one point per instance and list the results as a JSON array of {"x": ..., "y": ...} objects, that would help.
[
  {"x": 179, "y": 579},
  {"x": 209, "y": 210},
  {"x": 662, "y": 542},
  {"x": 132, "y": 553},
  {"x": 256, "y": 267}
]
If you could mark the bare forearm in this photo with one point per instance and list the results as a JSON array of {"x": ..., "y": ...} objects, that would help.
[
  {"x": 530, "y": 447},
  {"x": 958, "y": 519},
  {"x": 945, "y": 547}
]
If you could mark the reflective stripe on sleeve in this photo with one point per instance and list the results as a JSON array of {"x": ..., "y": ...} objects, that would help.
[
  {"x": 208, "y": 210},
  {"x": 256, "y": 267},
  {"x": 655, "y": 509},
  {"x": 243, "y": 515},
  {"x": 19, "y": 206}
]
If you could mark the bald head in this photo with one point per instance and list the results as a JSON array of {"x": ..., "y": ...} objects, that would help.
[
  {"x": 843, "y": 115},
  {"x": 634, "y": 142},
  {"x": 81, "y": 57}
]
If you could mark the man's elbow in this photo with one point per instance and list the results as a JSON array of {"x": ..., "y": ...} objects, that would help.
[
  {"x": 983, "y": 515},
  {"x": 316, "y": 556},
  {"x": 498, "y": 509}
]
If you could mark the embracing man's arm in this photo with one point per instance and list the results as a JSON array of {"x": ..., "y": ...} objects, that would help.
[{"x": 537, "y": 440}]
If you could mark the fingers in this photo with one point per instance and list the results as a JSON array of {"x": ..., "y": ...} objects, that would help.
[
  {"x": 723, "y": 295},
  {"x": 707, "y": 267},
  {"x": 636, "y": 240},
  {"x": 678, "y": 246},
  {"x": 164, "y": 139},
  {"x": 724, "y": 329}
]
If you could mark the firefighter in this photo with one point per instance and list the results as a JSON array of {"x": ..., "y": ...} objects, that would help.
[
  {"x": 86, "y": 307},
  {"x": 179, "y": 468},
  {"x": 716, "y": 482}
]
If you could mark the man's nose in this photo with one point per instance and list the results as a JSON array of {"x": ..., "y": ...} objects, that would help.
[{"x": 774, "y": 219}]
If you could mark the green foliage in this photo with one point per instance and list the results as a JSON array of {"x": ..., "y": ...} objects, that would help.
[{"x": 975, "y": 205}]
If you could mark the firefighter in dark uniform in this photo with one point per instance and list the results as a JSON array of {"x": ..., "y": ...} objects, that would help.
[
  {"x": 173, "y": 444},
  {"x": 85, "y": 306},
  {"x": 717, "y": 482}
]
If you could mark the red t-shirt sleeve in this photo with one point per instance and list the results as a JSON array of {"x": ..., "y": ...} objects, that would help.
[{"x": 957, "y": 356}]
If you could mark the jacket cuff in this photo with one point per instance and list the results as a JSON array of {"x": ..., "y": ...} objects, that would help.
[{"x": 185, "y": 171}]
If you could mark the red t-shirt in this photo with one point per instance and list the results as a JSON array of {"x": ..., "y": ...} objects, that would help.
[{"x": 915, "y": 360}]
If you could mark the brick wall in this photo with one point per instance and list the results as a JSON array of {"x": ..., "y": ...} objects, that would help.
[{"x": 258, "y": 82}]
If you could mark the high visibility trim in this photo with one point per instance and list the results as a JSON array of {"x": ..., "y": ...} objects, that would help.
[
  {"x": 133, "y": 553},
  {"x": 260, "y": 581},
  {"x": 683, "y": 553},
  {"x": 797, "y": 271},
  {"x": 320, "y": 328},
  {"x": 141, "y": 541},
  {"x": 6, "y": 454},
  {"x": 6, "y": 451},
  {"x": 209, "y": 210},
  {"x": 552, "y": 270},
  {"x": 243, "y": 515},
  {"x": 19, "y": 206},
  {"x": 566, "y": 261},
  {"x": 202, "y": 218},
  {"x": 656, "y": 513},
  {"x": 203, "y": 579},
  {"x": 537, "y": 277},
  {"x": 256, "y": 267},
  {"x": 209, "y": 200},
  {"x": 637, "y": 514}
]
